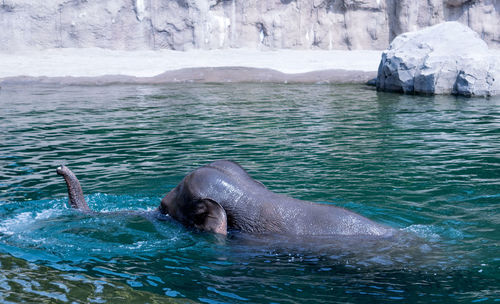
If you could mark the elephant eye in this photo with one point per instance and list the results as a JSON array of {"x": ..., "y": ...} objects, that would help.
[{"x": 200, "y": 209}]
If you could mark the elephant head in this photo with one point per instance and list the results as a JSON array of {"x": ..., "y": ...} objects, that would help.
[
  {"x": 189, "y": 209},
  {"x": 201, "y": 213}
]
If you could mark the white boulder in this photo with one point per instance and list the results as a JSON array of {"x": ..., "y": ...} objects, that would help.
[{"x": 448, "y": 58}]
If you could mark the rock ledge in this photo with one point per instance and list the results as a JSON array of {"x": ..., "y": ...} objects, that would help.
[{"x": 448, "y": 58}]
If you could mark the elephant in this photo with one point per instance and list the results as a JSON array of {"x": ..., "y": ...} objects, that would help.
[
  {"x": 75, "y": 192},
  {"x": 221, "y": 196}
]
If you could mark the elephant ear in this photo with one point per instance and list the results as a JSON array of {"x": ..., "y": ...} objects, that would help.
[{"x": 210, "y": 216}]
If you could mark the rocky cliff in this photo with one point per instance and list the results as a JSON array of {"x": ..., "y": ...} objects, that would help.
[{"x": 214, "y": 24}]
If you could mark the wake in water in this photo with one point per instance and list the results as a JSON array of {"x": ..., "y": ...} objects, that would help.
[
  {"x": 399, "y": 249},
  {"x": 426, "y": 165},
  {"x": 53, "y": 232}
]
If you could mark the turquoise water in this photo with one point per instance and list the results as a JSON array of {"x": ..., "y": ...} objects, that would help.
[{"x": 429, "y": 166}]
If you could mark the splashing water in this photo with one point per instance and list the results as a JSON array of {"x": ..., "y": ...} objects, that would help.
[{"x": 428, "y": 166}]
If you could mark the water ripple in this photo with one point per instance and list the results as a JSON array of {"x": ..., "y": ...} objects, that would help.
[{"x": 427, "y": 165}]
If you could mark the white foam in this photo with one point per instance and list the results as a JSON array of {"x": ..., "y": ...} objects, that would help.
[
  {"x": 46, "y": 214},
  {"x": 424, "y": 231},
  {"x": 11, "y": 225},
  {"x": 23, "y": 221},
  {"x": 435, "y": 233}
]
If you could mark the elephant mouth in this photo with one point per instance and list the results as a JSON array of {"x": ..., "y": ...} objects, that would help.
[
  {"x": 162, "y": 216},
  {"x": 162, "y": 209}
]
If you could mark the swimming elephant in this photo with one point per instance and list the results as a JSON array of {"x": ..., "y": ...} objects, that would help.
[{"x": 222, "y": 195}]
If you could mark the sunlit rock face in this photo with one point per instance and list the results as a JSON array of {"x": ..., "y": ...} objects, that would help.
[
  {"x": 448, "y": 58},
  {"x": 215, "y": 24}
]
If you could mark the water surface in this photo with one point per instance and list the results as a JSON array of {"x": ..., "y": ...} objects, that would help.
[{"x": 429, "y": 166}]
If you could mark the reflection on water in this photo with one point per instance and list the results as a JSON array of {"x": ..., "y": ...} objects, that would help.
[
  {"x": 426, "y": 165},
  {"x": 22, "y": 281}
]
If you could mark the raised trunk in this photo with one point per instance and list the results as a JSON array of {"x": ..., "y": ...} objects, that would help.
[{"x": 75, "y": 193}]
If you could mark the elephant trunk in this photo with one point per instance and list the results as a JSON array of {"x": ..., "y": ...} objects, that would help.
[{"x": 75, "y": 193}]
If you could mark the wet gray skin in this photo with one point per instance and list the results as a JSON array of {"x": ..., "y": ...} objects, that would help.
[
  {"x": 77, "y": 200},
  {"x": 75, "y": 193},
  {"x": 222, "y": 195}
]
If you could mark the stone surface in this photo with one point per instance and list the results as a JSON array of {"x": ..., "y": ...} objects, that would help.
[
  {"x": 205, "y": 75},
  {"x": 447, "y": 58},
  {"x": 104, "y": 66},
  {"x": 216, "y": 24}
]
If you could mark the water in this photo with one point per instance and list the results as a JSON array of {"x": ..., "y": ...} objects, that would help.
[{"x": 429, "y": 166}]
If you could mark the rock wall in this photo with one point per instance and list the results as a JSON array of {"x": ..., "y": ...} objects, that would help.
[{"x": 214, "y": 24}]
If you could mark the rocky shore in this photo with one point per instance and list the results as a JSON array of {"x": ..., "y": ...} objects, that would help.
[
  {"x": 448, "y": 58},
  {"x": 307, "y": 41},
  {"x": 101, "y": 66}
]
